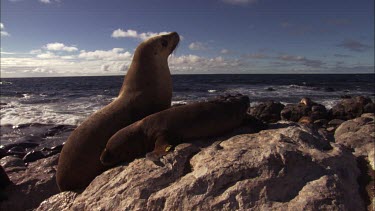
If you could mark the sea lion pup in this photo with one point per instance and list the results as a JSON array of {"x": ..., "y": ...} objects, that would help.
[
  {"x": 158, "y": 132},
  {"x": 147, "y": 89}
]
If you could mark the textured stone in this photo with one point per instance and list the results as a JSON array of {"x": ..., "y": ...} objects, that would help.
[
  {"x": 268, "y": 111},
  {"x": 306, "y": 108},
  {"x": 351, "y": 108},
  {"x": 31, "y": 186},
  {"x": 292, "y": 168},
  {"x": 358, "y": 134}
]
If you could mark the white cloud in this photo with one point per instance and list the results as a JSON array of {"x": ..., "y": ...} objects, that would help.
[
  {"x": 68, "y": 57},
  {"x": 114, "y": 54},
  {"x": 197, "y": 46},
  {"x": 55, "y": 63},
  {"x": 7, "y": 53},
  {"x": 59, "y": 47},
  {"x": 119, "y": 33},
  {"x": 47, "y": 55},
  {"x": 36, "y": 51},
  {"x": 239, "y": 2},
  {"x": 48, "y": 1},
  {"x": 193, "y": 63},
  {"x": 3, "y": 33}
]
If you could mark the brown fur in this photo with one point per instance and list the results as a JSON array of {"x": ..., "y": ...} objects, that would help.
[
  {"x": 172, "y": 126},
  {"x": 147, "y": 89}
]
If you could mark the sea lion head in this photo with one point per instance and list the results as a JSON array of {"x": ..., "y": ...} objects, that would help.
[
  {"x": 126, "y": 145},
  {"x": 158, "y": 47}
]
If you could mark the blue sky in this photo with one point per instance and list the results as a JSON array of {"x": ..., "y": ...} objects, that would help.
[{"x": 97, "y": 37}]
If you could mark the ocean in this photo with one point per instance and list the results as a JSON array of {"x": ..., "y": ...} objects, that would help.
[{"x": 44, "y": 111}]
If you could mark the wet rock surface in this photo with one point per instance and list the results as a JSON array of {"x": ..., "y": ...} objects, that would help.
[{"x": 44, "y": 139}]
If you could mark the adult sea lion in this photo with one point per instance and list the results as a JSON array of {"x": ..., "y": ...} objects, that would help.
[
  {"x": 159, "y": 131},
  {"x": 147, "y": 89}
]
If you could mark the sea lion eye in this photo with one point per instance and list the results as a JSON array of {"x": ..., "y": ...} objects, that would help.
[{"x": 164, "y": 43}]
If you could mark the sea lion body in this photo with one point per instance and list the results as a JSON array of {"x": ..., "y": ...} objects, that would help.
[
  {"x": 147, "y": 89},
  {"x": 159, "y": 131}
]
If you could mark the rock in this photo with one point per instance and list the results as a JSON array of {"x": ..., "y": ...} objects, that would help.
[
  {"x": 59, "y": 201},
  {"x": 291, "y": 168},
  {"x": 4, "y": 179},
  {"x": 4, "y": 182},
  {"x": 351, "y": 108},
  {"x": 333, "y": 125},
  {"x": 31, "y": 186},
  {"x": 57, "y": 148},
  {"x": 331, "y": 129},
  {"x": 359, "y": 134},
  {"x": 321, "y": 123},
  {"x": 59, "y": 129},
  {"x": 369, "y": 108},
  {"x": 326, "y": 134},
  {"x": 335, "y": 122},
  {"x": 270, "y": 89},
  {"x": 318, "y": 111},
  {"x": 305, "y": 120},
  {"x": 17, "y": 151},
  {"x": 268, "y": 111},
  {"x": 33, "y": 156},
  {"x": 21, "y": 144},
  {"x": 50, "y": 153},
  {"x": 294, "y": 112},
  {"x": 3, "y": 153},
  {"x": 11, "y": 162},
  {"x": 308, "y": 108}
]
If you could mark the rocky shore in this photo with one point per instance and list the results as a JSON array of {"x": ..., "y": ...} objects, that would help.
[{"x": 308, "y": 157}]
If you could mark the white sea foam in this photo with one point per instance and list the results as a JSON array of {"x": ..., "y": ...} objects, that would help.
[
  {"x": 211, "y": 90},
  {"x": 329, "y": 103},
  {"x": 178, "y": 102},
  {"x": 16, "y": 113},
  {"x": 26, "y": 96},
  {"x": 5, "y": 82}
]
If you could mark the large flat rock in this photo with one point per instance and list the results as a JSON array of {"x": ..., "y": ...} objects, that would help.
[{"x": 291, "y": 168}]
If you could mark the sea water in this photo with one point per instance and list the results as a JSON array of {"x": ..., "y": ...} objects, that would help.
[{"x": 32, "y": 107}]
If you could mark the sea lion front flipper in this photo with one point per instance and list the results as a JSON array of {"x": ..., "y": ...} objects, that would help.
[{"x": 162, "y": 147}]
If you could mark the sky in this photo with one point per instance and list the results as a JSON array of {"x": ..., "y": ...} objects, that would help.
[{"x": 47, "y": 38}]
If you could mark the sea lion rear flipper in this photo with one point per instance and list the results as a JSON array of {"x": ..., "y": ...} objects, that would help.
[{"x": 162, "y": 147}]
